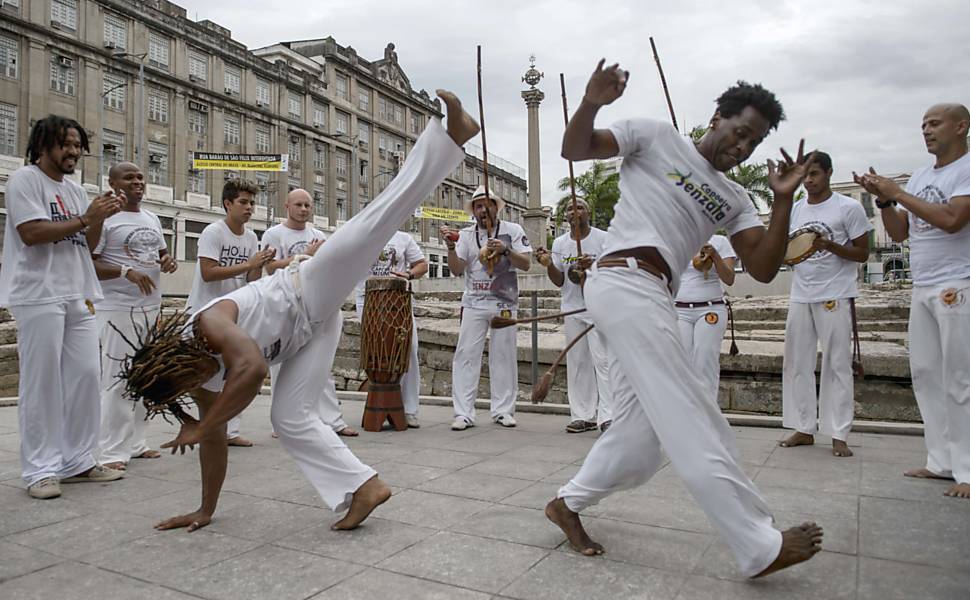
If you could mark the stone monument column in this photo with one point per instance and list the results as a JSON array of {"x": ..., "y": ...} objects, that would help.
[{"x": 535, "y": 218}]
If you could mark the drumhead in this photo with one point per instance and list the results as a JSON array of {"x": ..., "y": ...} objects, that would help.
[
  {"x": 386, "y": 283},
  {"x": 800, "y": 244}
]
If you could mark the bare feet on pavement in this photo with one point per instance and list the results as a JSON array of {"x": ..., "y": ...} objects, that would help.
[
  {"x": 149, "y": 454},
  {"x": 348, "y": 432},
  {"x": 797, "y": 439},
  {"x": 239, "y": 441},
  {"x": 960, "y": 490},
  {"x": 925, "y": 473},
  {"x": 117, "y": 465},
  {"x": 460, "y": 125},
  {"x": 840, "y": 449},
  {"x": 798, "y": 544},
  {"x": 569, "y": 522},
  {"x": 369, "y": 496}
]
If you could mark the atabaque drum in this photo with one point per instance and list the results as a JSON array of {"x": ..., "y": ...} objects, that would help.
[{"x": 385, "y": 349}]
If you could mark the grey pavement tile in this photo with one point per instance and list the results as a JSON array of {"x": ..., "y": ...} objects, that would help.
[
  {"x": 889, "y": 482},
  {"x": 265, "y": 572},
  {"x": 562, "y": 475},
  {"x": 513, "y": 524},
  {"x": 818, "y": 504},
  {"x": 375, "y": 583},
  {"x": 266, "y": 483},
  {"x": 657, "y": 547},
  {"x": 440, "y": 436},
  {"x": 442, "y": 459},
  {"x": 921, "y": 532},
  {"x": 563, "y": 454},
  {"x": 826, "y": 575},
  {"x": 846, "y": 481},
  {"x": 19, "y": 560},
  {"x": 267, "y": 520},
  {"x": 374, "y": 453},
  {"x": 889, "y": 580},
  {"x": 813, "y": 458},
  {"x": 20, "y": 512},
  {"x": 904, "y": 458},
  {"x": 404, "y": 475},
  {"x": 428, "y": 510},
  {"x": 10, "y": 442},
  {"x": 74, "y": 581},
  {"x": 535, "y": 496},
  {"x": 636, "y": 507},
  {"x": 562, "y": 576},
  {"x": 132, "y": 489},
  {"x": 79, "y": 537},
  {"x": 761, "y": 433},
  {"x": 915, "y": 443},
  {"x": 372, "y": 542},
  {"x": 467, "y": 561},
  {"x": 509, "y": 466},
  {"x": 156, "y": 557},
  {"x": 490, "y": 442},
  {"x": 163, "y": 506},
  {"x": 478, "y": 486}
]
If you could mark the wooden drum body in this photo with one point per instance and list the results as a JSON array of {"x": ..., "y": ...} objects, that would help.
[{"x": 385, "y": 349}]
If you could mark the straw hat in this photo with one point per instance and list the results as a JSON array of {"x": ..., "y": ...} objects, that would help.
[{"x": 480, "y": 193}]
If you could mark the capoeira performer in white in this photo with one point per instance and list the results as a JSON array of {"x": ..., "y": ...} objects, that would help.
[
  {"x": 673, "y": 195},
  {"x": 702, "y": 314},
  {"x": 129, "y": 260},
  {"x": 229, "y": 258},
  {"x": 490, "y": 290},
  {"x": 282, "y": 319},
  {"x": 48, "y": 283},
  {"x": 401, "y": 257},
  {"x": 293, "y": 237},
  {"x": 587, "y": 364},
  {"x": 934, "y": 214},
  {"x": 820, "y": 311}
]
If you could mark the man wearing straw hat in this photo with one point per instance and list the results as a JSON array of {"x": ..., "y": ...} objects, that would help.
[{"x": 488, "y": 254}]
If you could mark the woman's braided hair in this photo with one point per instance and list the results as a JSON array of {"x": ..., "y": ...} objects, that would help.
[{"x": 163, "y": 366}]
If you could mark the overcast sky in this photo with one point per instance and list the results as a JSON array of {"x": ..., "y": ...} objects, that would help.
[{"x": 854, "y": 76}]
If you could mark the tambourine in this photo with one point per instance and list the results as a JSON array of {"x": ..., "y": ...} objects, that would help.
[
  {"x": 703, "y": 262},
  {"x": 489, "y": 258},
  {"x": 800, "y": 245}
]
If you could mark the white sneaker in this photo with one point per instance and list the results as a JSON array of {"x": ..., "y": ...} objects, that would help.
[
  {"x": 97, "y": 474},
  {"x": 461, "y": 424},
  {"x": 412, "y": 421},
  {"x": 45, "y": 488},
  {"x": 505, "y": 420}
]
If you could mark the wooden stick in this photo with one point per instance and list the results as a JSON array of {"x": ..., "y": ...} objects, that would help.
[
  {"x": 663, "y": 82},
  {"x": 502, "y": 322},
  {"x": 541, "y": 389},
  {"x": 572, "y": 179},
  {"x": 481, "y": 121}
]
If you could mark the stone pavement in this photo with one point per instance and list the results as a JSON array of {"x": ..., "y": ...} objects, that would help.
[{"x": 465, "y": 521}]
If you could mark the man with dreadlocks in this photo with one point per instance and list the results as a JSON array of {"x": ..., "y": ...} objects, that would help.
[
  {"x": 284, "y": 319},
  {"x": 49, "y": 284}
]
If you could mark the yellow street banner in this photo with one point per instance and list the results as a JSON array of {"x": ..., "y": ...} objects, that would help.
[
  {"x": 442, "y": 214},
  {"x": 240, "y": 162}
]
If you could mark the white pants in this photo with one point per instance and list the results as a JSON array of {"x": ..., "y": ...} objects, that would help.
[
  {"x": 701, "y": 331},
  {"x": 326, "y": 280},
  {"x": 661, "y": 407},
  {"x": 807, "y": 326},
  {"x": 939, "y": 360},
  {"x": 503, "y": 367},
  {"x": 587, "y": 374},
  {"x": 411, "y": 381},
  {"x": 122, "y": 421},
  {"x": 59, "y": 409}
]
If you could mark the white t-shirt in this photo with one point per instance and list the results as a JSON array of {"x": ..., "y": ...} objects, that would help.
[
  {"x": 52, "y": 272},
  {"x": 398, "y": 254},
  {"x": 220, "y": 244},
  {"x": 825, "y": 276},
  {"x": 133, "y": 239},
  {"x": 936, "y": 256},
  {"x": 289, "y": 242},
  {"x": 693, "y": 286},
  {"x": 500, "y": 290},
  {"x": 564, "y": 254},
  {"x": 671, "y": 198}
]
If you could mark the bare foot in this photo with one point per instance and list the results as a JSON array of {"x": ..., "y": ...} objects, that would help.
[
  {"x": 840, "y": 449},
  {"x": 239, "y": 441},
  {"x": 960, "y": 490},
  {"x": 274, "y": 435},
  {"x": 798, "y": 544},
  {"x": 149, "y": 454},
  {"x": 348, "y": 432},
  {"x": 572, "y": 526},
  {"x": 369, "y": 496},
  {"x": 117, "y": 465},
  {"x": 460, "y": 125},
  {"x": 192, "y": 521},
  {"x": 797, "y": 439},
  {"x": 925, "y": 473}
]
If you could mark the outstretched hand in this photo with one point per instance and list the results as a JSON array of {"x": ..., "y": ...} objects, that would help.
[
  {"x": 606, "y": 85},
  {"x": 189, "y": 435},
  {"x": 786, "y": 175},
  {"x": 877, "y": 185}
]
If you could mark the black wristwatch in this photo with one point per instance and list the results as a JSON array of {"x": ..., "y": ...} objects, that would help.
[
  {"x": 885, "y": 203},
  {"x": 410, "y": 275}
]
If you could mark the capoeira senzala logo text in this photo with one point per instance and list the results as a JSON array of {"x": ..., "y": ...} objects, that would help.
[
  {"x": 933, "y": 195},
  {"x": 715, "y": 207},
  {"x": 60, "y": 213}
]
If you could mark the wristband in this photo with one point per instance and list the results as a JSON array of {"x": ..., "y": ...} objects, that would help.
[
  {"x": 84, "y": 225},
  {"x": 125, "y": 269}
]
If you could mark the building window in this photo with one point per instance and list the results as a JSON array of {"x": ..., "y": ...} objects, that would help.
[
  {"x": 363, "y": 99},
  {"x": 196, "y": 180},
  {"x": 343, "y": 85},
  {"x": 113, "y": 92},
  {"x": 399, "y": 115},
  {"x": 342, "y": 123},
  {"x": 262, "y": 92},
  {"x": 158, "y": 50},
  {"x": 341, "y": 164},
  {"x": 417, "y": 123},
  {"x": 295, "y": 104},
  {"x": 341, "y": 208},
  {"x": 363, "y": 133},
  {"x": 319, "y": 157},
  {"x": 198, "y": 121},
  {"x": 319, "y": 200},
  {"x": 233, "y": 79},
  {"x": 262, "y": 139},
  {"x": 295, "y": 148},
  {"x": 63, "y": 75},
  {"x": 113, "y": 147},
  {"x": 262, "y": 182},
  {"x": 319, "y": 116},
  {"x": 9, "y": 56},
  {"x": 293, "y": 183},
  {"x": 115, "y": 32},
  {"x": 64, "y": 13},
  {"x": 157, "y": 163},
  {"x": 158, "y": 105},
  {"x": 8, "y": 129},
  {"x": 232, "y": 129},
  {"x": 198, "y": 66},
  {"x": 382, "y": 108}
]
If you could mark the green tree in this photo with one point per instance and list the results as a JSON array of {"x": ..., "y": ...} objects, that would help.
[{"x": 601, "y": 190}]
